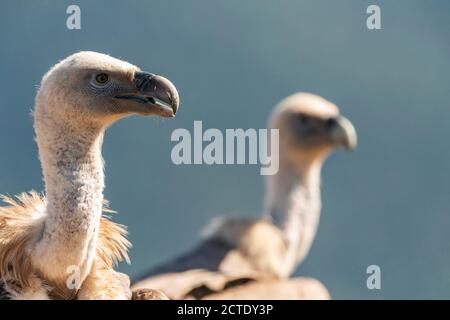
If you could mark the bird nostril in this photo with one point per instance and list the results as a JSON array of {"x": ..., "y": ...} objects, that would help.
[{"x": 143, "y": 79}]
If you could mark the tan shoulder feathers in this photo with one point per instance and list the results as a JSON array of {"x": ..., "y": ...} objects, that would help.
[
  {"x": 21, "y": 224},
  {"x": 257, "y": 241}
]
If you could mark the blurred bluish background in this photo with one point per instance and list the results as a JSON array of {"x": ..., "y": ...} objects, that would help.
[{"x": 232, "y": 61}]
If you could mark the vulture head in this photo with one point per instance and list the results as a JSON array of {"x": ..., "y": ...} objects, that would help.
[
  {"x": 94, "y": 88},
  {"x": 310, "y": 127}
]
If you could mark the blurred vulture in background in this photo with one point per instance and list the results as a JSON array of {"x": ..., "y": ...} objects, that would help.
[
  {"x": 59, "y": 246},
  {"x": 244, "y": 258}
]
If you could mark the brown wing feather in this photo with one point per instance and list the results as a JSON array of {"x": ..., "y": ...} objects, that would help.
[
  {"x": 21, "y": 222},
  {"x": 234, "y": 251},
  {"x": 238, "y": 259}
]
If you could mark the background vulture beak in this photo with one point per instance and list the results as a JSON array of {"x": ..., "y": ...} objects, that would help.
[{"x": 343, "y": 133}]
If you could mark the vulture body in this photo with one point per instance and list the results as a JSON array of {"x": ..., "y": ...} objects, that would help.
[
  {"x": 59, "y": 246},
  {"x": 245, "y": 258}
]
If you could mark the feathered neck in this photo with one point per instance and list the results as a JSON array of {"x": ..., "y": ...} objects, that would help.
[
  {"x": 293, "y": 204},
  {"x": 72, "y": 166}
]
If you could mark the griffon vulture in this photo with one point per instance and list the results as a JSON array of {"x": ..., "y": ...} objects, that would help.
[
  {"x": 59, "y": 246},
  {"x": 243, "y": 258}
]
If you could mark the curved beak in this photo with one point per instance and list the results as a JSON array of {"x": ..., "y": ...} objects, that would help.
[
  {"x": 156, "y": 94},
  {"x": 344, "y": 133}
]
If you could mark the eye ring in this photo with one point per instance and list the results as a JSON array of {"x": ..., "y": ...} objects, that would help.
[{"x": 101, "y": 78}]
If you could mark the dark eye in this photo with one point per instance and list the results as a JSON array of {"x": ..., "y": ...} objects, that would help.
[
  {"x": 330, "y": 123},
  {"x": 303, "y": 119},
  {"x": 101, "y": 78}
]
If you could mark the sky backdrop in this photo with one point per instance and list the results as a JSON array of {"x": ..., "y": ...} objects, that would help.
[{"x": 232, "y": 61}]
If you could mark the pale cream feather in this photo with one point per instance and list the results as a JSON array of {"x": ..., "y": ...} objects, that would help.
[{"x": 21, "y": 224}]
